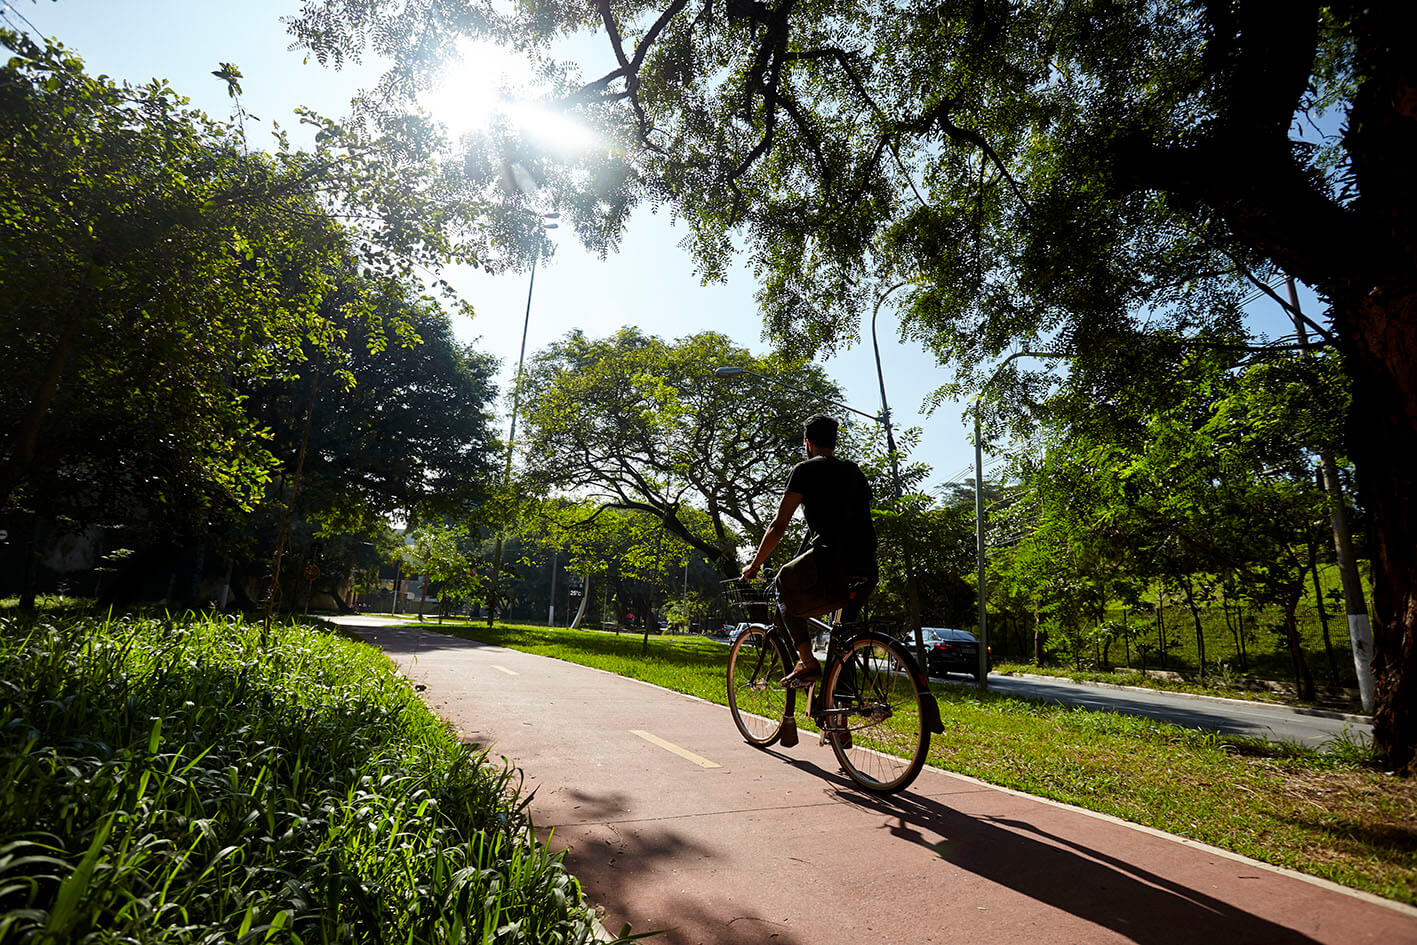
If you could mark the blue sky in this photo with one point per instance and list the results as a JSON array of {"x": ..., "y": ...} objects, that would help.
[{"x": 649, "y": 283}]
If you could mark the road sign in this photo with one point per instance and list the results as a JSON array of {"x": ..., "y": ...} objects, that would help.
[{"x": 312, "y": 572}]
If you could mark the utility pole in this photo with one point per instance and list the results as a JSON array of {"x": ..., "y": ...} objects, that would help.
[
  {"x": 1360, "y": 631},
  {"x": 512, "y": 433},
  {"x": 551, "y": 614},
  {"x": 398, "y": 575},
  {"x": 907, "y": 543}
]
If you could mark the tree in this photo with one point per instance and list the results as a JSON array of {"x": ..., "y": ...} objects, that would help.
[
  {"x": 942, "y": 537},
  {"x": 1194, "y": 488},
  {"x": 154, "y": 271},
  {"x": 145, "y": 264},
  {"x": 630, "y": 550},
  {"x": 434, "y": 553},
  {"x": 642, "y": 425},
  {"x": 409, "y": 435},
  {"x": 1040, "y": 169}
]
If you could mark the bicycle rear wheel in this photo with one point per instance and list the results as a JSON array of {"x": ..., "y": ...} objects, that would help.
[
  {"x": 874, "y": 716},
  {"x": 755, "y": 694}
]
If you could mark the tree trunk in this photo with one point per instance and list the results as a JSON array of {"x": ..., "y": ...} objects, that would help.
[
  {"x": 1127, "y": 635},
  {"x": 1382, "y": 428},
  {"x": 496, "y": 572},
  {"x": 1196, "y": 616},
  {"x": 284, "y": 534},
  {"x": 1355, "y": 605},
  {"x": 1355, "y": 602},
  {"x": 1240, "y": 632},
  {"x": 1040, "y": 636},
  {"x": 1303, "y": 680},
  {"x": 1229, "y": 623},
  {"x": 651, "y": 619},
  {"x": 1323, "y": 614},
  {"x": 344, "y": 608},
  {"x": 26, "y": 439},
  {"x": 1161, "y": 624}
]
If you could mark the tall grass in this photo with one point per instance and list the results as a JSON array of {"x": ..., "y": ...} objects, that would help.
[{"x": 168, "y": 780}]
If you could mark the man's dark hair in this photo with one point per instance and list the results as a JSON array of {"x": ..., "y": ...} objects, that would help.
[{"x": 821, "y": 430}]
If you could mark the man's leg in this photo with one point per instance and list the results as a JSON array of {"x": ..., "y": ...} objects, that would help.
[{"x": 807, "y": 670}]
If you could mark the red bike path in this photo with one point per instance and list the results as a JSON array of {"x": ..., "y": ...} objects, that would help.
[{"x": 671, "y": 822}]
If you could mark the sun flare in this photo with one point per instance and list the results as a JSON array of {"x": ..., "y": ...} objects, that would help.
[{"x": 488, "y": 83}]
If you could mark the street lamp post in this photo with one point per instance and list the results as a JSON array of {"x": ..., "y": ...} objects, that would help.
[
  {"x": 912, "y": 588},
  {"x": 979, "y": 509},
  {"x": 547, "y": 223}
]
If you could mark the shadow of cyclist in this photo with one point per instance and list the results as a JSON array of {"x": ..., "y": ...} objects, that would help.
[{"x": 1083, "y": 881}]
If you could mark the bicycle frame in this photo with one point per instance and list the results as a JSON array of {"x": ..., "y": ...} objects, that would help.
[{"x": 839, "y": 637}]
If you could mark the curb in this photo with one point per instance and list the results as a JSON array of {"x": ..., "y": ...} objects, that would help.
[{"x": 1251, "y": 703}]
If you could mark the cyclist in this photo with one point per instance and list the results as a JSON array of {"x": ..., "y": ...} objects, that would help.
[{"x": 837, "y": 569}]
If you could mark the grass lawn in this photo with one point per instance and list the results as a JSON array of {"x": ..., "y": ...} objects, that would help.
[
  {"x": 188, "y": 780},
  {"x": 1330, "y": 814}
]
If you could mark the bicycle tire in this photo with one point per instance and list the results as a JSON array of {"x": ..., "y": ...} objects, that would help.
[
  {"x": 880, "y": 735},
  {"x": 756, "y": 698}
]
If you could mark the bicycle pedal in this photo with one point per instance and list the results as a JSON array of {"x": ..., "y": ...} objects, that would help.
[
  {"x": 789, "y": 732},
  {"x": 842, "y": 737}
]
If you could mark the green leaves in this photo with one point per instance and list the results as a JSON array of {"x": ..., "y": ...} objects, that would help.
[{"x": 231, "y": 75}]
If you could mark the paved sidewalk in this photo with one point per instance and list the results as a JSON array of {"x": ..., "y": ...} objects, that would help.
[{"x": 672, "y": 822}]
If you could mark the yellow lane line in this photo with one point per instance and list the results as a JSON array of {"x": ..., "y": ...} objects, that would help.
[
  {"x": 699, "y": 760},
  {"x": 509, "y": 672}
]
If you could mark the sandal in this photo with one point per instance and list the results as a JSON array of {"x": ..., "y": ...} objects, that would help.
[{"x": 802, "y": 676}]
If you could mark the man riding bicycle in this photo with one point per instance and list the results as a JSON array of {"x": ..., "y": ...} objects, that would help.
[{"x": 837, "y": 569}]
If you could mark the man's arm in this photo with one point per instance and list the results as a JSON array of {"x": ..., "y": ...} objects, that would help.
[{"x": 778, "y": 528}]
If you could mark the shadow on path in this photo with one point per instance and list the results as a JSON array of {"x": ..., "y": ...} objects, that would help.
[
  {"x": 622, "y": 865},
  {"x": 1074, "y": 878}
]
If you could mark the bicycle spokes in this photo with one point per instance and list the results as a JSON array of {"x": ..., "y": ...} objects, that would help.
[{"x": 885, "y": 742}]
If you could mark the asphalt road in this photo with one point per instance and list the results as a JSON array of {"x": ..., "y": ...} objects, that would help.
[{"x": 1229, "y": 716}]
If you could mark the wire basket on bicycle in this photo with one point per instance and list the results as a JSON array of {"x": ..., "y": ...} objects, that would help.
[{"x": 754, "y": 598}]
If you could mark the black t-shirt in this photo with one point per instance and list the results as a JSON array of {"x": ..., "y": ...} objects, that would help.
[{"x": 836, "y": 501}]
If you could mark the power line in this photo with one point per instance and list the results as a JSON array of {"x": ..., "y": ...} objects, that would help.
[{"x": 5, "y": 11}]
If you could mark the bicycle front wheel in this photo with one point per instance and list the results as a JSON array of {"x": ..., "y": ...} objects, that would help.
[
  {"x": 755, "y": 694},
  {"x": 874, "y": 716}
]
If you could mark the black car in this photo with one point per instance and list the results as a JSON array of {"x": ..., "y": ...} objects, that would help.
[{"x": 948, "y": 651}]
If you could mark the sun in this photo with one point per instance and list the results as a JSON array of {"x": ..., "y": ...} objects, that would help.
[{"x": 487, "y": 82}]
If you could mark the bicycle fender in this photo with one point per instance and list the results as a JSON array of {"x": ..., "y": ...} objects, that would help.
[{"x": 932, "y": 714}]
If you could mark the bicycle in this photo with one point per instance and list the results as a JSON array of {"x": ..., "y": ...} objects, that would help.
[{"x": 873, "y": 705}]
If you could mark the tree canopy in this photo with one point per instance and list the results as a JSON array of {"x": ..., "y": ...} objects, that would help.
[{"x": 636, "y": 423}]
